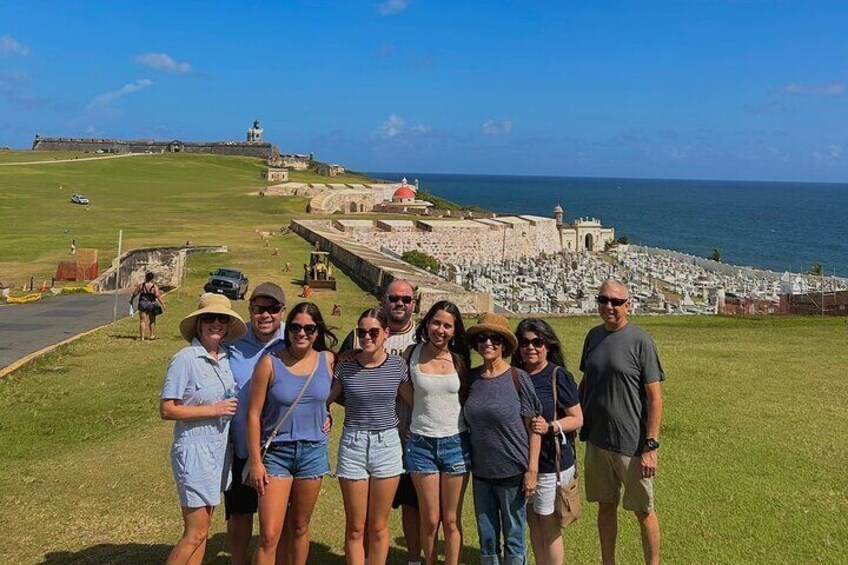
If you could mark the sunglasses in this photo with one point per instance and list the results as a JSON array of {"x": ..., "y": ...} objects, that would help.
[
  {"x": 616, "y": 302},
  {"x": 496, "y": 339},
  {"x": 373, "y": 333},
  {"x": 308, "y": 329},
  {"x": 212, "y": 318},
  {"x": 257, "y": 309},
  {"x": 392, "y": 298},
  {"x": 536, "y": 342}
]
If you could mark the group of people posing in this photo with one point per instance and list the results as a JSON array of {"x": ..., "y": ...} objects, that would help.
[{"x": 251, "y": 404}]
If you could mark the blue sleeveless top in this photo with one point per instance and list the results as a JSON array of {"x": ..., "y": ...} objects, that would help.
[{"x": 307, "y": 420}]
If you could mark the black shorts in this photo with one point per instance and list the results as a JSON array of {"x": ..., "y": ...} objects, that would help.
[
  {"x": 240, "y": 499},
  {"x": 405, "y": 493}
]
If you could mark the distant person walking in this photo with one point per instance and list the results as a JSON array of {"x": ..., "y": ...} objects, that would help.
[
  {"x": 73, "y": 246},
  {"x": 288, "y": 408},
  {"x": 370, "y": 459},
  {"x": 198, "y": 394},
  {"x": 150, "y": 305},
  {"x": 540, "y": 354},
  {"x": 267, "y": 308},
  {"x": 622, "y": 408},
  {"x": 504, "y": 451}
]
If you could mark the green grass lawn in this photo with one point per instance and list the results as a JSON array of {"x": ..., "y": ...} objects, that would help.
[{"x": 752, "y": 464}]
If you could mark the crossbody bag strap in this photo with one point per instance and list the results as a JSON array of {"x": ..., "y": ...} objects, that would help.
[
  {"x": 291, "y": 408},
  {"x": 557, "y": 446}
]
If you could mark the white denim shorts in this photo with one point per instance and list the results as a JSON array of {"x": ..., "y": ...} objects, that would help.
[
  {"x": 364, "y": 454},
  {"x": 543, "y": 499}
]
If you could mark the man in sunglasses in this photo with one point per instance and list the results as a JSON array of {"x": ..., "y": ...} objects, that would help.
[
  {"x": 264, "y": 333},
  {"x": 399, "y": 305},
  {"x": 622, "y": 409}
]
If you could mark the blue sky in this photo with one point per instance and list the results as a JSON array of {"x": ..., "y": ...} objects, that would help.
[{"x": 732, "y": 89}]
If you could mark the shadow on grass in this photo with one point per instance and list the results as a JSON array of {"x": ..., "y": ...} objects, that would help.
[{"x": 217, "y": 553}]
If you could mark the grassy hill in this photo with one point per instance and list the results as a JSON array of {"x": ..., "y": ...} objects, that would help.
[{"x": 752, "y": 464}]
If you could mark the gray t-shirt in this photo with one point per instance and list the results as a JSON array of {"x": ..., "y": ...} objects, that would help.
[
  {"x": 495, "y": 415},
  {"x": 616, "y": 367}
]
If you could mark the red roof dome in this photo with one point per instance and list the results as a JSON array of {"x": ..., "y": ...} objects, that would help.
[{"x": 404, "y": 193}]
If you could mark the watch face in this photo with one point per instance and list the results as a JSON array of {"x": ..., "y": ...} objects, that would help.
[{"x": 652, "y": 444}]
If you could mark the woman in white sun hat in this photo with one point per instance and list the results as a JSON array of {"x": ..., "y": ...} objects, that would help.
[{"x": 198, "y": 395}]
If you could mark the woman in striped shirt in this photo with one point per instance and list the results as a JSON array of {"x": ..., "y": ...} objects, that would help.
[{"x": 370, "y": 459}]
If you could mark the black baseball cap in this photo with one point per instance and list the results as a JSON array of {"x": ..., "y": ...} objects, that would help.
[{"x": 269, "y": 290}]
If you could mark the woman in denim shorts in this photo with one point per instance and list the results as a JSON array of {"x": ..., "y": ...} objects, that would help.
[
  {"x": 370, "y": 459},
  {"x": 540, "y": 354},
  {"x": 438, "y": 452},
  {"x": 288, "y": 478}
]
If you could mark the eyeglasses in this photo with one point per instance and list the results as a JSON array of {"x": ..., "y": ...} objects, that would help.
[
  {"x": 257, "y": 309},
  {"x": 392, "y": 298},
  {"x": 373, "y": 333},
  {"x": 212, "y": 318},
  {"x": 616, "y": 302},
  {"x": 496, "y": 339},
  {"x": 536, "y": 342},
  {"x": 308, "y": 329}
]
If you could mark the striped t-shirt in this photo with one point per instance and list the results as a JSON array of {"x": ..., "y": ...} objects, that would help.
[{"x": 370, "y": 392}]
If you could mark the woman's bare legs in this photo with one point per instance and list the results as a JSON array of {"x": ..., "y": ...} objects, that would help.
[
  {"x": 192, "y": 546},
  {"x": 272, "y": 514}
]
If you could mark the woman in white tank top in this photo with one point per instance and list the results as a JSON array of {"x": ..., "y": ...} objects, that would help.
[{"x": 438, "y": 453}]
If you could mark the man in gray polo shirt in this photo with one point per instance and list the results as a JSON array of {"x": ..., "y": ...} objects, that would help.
[{"x": 622, "y": 410}]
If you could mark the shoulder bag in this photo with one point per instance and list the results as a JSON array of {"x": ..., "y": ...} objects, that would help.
[
  {"x": 246, "y": 471},
  {"x": 567, "y": 502}
]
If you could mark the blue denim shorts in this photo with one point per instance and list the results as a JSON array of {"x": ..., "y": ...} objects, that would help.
[
  {"x": 450, "y": 454},
  {"x": 364, "y": 454},
  {"x": 297, "y": 459}
]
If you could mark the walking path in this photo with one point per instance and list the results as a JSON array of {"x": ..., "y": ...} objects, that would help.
[
  {"x": 28, "y": 328},
  {"x": 118, "y": 156}
]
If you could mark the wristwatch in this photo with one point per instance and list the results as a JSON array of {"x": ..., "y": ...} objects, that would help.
[{"x": 651, "y": 444}]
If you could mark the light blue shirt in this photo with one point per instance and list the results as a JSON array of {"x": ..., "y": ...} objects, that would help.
[
  {"x": 195, "y": 378},
  {"x": 245, "y": 354}
]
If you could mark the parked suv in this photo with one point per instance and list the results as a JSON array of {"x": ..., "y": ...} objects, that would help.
[
  {"x": 229, "y": 282},
  {"x": 79, "y": 199}
]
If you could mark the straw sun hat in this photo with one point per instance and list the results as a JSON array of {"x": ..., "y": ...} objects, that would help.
[
  {"x": 213, "y": 304},
  {"x": 494, "y": 323}
]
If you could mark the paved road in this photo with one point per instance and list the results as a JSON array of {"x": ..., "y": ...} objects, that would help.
[
  {"x": 26, "y": 328},
  {"x": 46, "y": 162}
]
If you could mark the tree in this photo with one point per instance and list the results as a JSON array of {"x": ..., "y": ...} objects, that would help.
[
  {"x": 715, "y": 255},
  {"x": 422, "y": 260},
  {"x": 624, "y": 240},
  {"x": 816, "y": 270}
]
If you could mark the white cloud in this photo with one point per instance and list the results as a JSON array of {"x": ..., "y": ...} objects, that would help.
[
  {"x": 108, "y": 98},
  {"x": 163, "y": 62},
  {"x": 421, "y": 129},
  {"x": 392, "y": 127},
  {"x": 497, "y": 127},
  {"x": 832, "y": 89},
  {"x": 391, "y": 7},
  {"x": 833, "y": 154},
  {"x": 10, "y": 46}
]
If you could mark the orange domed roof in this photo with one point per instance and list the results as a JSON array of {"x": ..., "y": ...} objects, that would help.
[{"x": 404, "y": 193}]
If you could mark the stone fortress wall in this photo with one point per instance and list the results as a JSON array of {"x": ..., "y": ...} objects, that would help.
[
  {"x": 460, "y": 241},
  {"x": 254, "y": 146},
  {"x": 235, "y": 148},
  {"x": 374, "y": 270}
]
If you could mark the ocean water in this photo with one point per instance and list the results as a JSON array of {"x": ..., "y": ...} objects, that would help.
[{"x": 771, "y": 225}]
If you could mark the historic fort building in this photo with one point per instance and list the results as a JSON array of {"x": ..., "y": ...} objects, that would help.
[{"x": 254, "y": 146}]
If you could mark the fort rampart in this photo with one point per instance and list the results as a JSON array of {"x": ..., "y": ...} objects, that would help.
[
  {"x": 375, "y": 270},
  {"x": 93, "y": 145}
]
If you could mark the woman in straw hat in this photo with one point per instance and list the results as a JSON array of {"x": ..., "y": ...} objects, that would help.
[
  {"x": 504, "y": 451},
  {"x": 198, "y": 395}
]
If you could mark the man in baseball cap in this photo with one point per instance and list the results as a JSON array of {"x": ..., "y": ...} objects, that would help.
[{"x": 264, "y": 334}]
